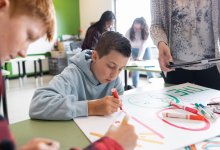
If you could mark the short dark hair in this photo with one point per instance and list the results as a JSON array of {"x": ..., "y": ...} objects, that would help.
[{"x": 111, "y": 40}]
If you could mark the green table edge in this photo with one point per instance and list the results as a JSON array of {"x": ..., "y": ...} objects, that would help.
[{"x": 66, "y": 132}]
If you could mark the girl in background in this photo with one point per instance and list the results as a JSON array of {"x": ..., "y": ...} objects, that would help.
[
  {"x": 95, "y": 31},
  {"x": 138, "y": 37}
]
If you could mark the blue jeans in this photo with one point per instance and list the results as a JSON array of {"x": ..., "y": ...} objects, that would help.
[{"x": 135, "y": 74}]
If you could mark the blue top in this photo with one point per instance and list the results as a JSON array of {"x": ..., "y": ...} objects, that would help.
[{"x": 68, "y": 93}]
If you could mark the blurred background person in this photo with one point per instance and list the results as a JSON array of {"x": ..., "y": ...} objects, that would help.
[
  {"x": 138, "y": 36},
  {"x": 93, "y": 33}
]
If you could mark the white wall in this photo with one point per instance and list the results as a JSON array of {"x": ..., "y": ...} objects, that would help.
[
  {"x": 91, "y": 11},
  {"x": 134, "y": 9}
]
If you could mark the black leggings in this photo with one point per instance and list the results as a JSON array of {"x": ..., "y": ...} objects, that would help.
[{"x": 208, "y": 77}]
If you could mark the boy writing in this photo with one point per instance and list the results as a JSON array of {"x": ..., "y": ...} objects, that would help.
[
  {"x": 23, "y": 22},
  {"x": 81, "y": 89}
]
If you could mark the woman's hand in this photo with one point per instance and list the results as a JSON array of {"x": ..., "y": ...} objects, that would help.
[{"x": 164, "y": 57}]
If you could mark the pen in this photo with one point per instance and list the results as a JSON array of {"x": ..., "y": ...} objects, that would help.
[
  {"x": 189, "y": 109},
  {"x": 209, "y": 111},
  {"x": 183, "y": 116},
  {"x": 115, "y": 94}
]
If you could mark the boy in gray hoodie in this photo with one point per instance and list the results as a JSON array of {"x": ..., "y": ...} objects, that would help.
[{"x": 84, "y": 87}]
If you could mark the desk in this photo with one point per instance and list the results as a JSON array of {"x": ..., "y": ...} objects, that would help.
[
  {"x": 66, "y": 132},
  {"x": 145, "y": 66},
  {"x": 35, "y": 59}
]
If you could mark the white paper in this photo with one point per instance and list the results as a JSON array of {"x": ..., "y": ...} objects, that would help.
[{"x": 146, "y": 111}]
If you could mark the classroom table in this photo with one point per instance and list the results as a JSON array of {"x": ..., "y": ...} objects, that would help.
[
  {"x": 144, "y": 66},
  {"x": 66, "y": 132},
  {"x": 36, "y": 59}
]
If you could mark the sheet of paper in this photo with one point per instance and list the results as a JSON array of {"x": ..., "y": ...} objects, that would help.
[
  {"x": 154, "y": 131},
  {"x": 212, "y": 144}
]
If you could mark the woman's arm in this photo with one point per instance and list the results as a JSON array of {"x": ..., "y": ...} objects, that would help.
[{"x": 157, "y": 30}]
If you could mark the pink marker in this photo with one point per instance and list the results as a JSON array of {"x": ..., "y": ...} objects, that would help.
[{"x": 189, "y": 109}]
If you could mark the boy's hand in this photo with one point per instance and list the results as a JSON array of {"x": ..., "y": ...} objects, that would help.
[
  {"x": 41, "y": 144},
  {"x": 164, "y": 57},
  {"x": 104, "y": 106},
  {"x": 124, "y": 134}
]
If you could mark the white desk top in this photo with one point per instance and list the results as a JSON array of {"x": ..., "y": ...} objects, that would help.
[
  {"x": 28, "y": 58},
  {"x": 146, "y": 66},
  {"x": 5, "y": 72}
]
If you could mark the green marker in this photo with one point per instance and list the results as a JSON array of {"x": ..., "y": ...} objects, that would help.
[
  {"x": 212, "y": 114},
  {"x": 206, "y": 115}
]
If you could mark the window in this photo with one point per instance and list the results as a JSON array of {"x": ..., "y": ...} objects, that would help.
[{"x": 128, "y": 10}]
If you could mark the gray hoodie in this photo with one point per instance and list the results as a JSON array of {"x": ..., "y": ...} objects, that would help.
[{"x": 68, "y": 93}]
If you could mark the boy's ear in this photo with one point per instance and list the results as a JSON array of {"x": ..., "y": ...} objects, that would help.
[
  {"x": 94, "y": 55},
  {"x": 4, "y": 3}
]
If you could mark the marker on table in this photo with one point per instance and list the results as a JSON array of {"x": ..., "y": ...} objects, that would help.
[
  {"x": 202, "y": 111},
  {"x": 189, "y": 109},
  {"x": 183, "y": 116},
  {"x": 208, "y": 110},
  {"x": 115, "y": 94}
]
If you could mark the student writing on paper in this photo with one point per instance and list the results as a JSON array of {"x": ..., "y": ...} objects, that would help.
[
  {"x": 187, "y": 30},
  {"x": 84, "y": 87},
  {"x": 138, "y": 37}
]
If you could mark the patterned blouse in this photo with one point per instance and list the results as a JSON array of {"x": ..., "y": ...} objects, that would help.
[
  {"x": 189, "y": 27},
  {"x": 191, "y": 31}
]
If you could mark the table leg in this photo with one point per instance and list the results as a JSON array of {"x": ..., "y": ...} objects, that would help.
[
  {"x": 35, "y": 72},
  {"x": 6, "y": 77},
  {"x": 4, "y": 99},
  {"x": 126, "y": 80},
  {"x": 24, "y": 69},
  {"x": 41, "y": 71},
  {"x": 19, "y": 74}
]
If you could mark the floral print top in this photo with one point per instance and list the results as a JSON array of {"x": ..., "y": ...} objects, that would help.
[{"x": 192, "y": 32}]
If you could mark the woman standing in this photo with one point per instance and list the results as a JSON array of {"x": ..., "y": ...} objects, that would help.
[{"x": 187, "y": 30}]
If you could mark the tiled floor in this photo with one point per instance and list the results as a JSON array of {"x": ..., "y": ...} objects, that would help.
[{"x": 18, "y": 98}]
